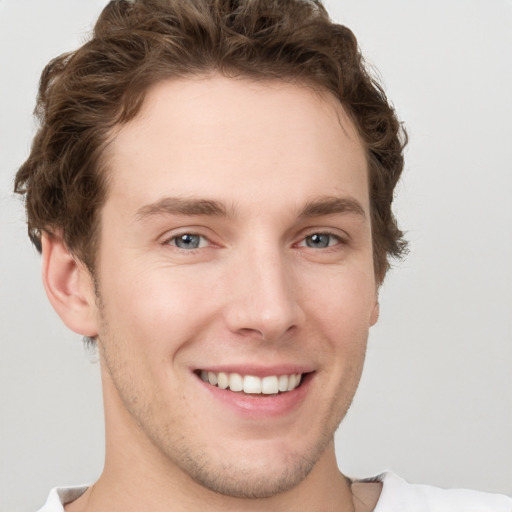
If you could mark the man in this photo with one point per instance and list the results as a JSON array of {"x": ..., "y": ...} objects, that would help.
[{"x": 211, "y": 189}]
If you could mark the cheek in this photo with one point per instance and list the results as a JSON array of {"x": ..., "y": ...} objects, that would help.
[
  {"x": 344, "y": 302},
  {"x": 155, "y": 303}
]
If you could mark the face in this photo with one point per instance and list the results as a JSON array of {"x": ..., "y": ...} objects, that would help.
[{"x": 235, "y": 281}]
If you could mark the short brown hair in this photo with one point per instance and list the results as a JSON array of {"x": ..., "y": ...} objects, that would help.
[{"x": 84, "y": 94}]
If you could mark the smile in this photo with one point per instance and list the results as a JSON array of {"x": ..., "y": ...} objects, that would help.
[{"x": 250, "y": 384}]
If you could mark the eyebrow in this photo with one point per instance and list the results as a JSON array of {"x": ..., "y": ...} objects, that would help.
[
  {"x": 329, "y": 205},
  {"x": 180, "y": 206}
]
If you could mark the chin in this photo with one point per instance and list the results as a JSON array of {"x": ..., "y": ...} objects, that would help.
[
  {"x": 253, "y": 470},
  {"x": 256, "y": 480}
]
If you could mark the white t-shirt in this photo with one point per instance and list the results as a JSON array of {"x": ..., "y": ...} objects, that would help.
[{"x": 397, "y": 496}]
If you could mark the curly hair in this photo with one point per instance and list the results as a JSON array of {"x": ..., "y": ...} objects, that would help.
[{"x": 83, "y": 95}]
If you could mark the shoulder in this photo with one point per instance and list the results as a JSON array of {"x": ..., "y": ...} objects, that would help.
[
  {"x": 60, "y": 496},
  {"x": 398, "y": 495}
]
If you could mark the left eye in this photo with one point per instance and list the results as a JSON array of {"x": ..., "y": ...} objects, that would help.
[
  {"x": 320, "y": 240},
  {"x": 188, "y": 241}
]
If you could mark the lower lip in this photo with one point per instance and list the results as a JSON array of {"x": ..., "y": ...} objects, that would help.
[{"x": 261, "y": 406}]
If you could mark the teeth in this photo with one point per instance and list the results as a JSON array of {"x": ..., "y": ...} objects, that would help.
[
  {"x": 251, "y": 384},
  {"x": 293, "y": 381},
  {"x": 236, "y": 382},
  {"x": 283, "y": 383},
  {"x": 222, "y": 380},
  {"x": 269, "y": 385}
]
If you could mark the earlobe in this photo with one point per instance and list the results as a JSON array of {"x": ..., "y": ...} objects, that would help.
[
  {"x": 69, "y": 286},
  {"x": 374, "y": 316}
]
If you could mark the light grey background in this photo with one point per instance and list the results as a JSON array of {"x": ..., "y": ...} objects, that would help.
[{"x": 435, "y": 402}]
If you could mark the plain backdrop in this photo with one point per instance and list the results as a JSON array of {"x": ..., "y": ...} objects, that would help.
[{"x": 435, "y": 401}]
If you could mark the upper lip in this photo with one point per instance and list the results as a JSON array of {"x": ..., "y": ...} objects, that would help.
[{"x": 257, "y": 371}]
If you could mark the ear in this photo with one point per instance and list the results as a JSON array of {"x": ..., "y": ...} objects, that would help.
[
  {"x": 69, "y": 286},
  {"x": 374, "y": 315}
]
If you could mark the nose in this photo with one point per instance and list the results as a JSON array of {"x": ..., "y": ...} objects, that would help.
[{"x": 263, "y": 296}]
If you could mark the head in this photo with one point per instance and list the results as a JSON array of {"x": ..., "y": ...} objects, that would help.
[
  {"x": 86, "y": 94},
  {"x": 220, "y": 176}
]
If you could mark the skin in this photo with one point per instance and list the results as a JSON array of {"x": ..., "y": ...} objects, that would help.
[{"x": 257, "y": 291}]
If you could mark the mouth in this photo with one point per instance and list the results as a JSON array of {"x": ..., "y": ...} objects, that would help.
[{"x": 252, "y": 384}]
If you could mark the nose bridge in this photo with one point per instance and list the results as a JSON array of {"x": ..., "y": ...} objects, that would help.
[{"x": 263, "y": 299}]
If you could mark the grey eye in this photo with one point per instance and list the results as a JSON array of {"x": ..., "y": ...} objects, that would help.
[
  {"x": 319, "y": 240},
  {"x": 187, "y": 241}
]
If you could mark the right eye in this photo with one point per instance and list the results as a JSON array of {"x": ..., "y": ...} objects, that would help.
[
  {"x": 188, "y": 241},
  {"x": 321, "y": 240}
]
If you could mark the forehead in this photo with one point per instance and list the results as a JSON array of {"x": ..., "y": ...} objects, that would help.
[{"x": 236, "y": 140}]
